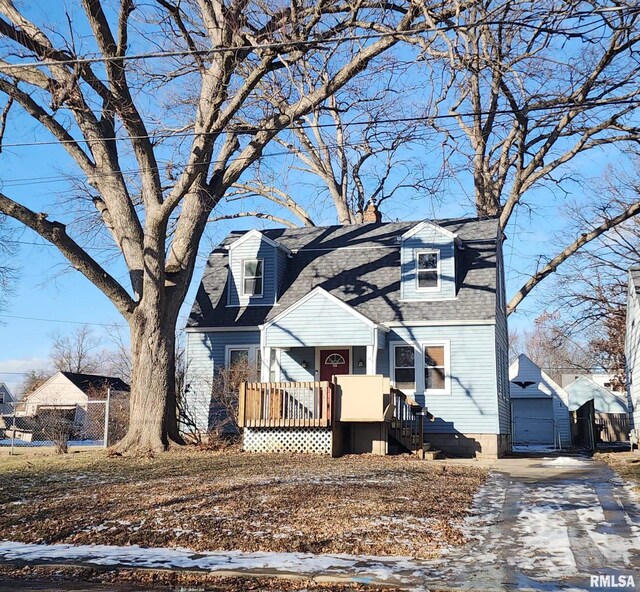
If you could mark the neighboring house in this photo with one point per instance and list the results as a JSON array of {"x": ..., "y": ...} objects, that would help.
[
  {"x": 607, "y": 381},
  {"x": 419, "y": 304},
  {"x": 6, "y": 399},
  {"x": 611, "y": 418},
  {"x": 539, "y": 407},
  {"x": 70, "y": 390},
  {"x": 632, "y": 348}
]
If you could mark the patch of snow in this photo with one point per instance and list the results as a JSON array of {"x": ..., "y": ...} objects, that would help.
[
  {"x": 567, "y": 461},
  {"x": 367, "y": 568},
  {"x": 533, "y": 448}
]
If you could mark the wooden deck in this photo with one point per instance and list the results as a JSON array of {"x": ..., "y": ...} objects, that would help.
[{"x": 285, "y": 404}]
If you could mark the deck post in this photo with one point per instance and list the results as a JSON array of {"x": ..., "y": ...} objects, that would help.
[
  {"x": 371, "y": 359},
  {"x": 242, "y": 392},
  {"x": 265, "y": 370}
]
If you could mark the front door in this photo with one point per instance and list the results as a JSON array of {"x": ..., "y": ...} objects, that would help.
[{"x": 332, "y": 362}]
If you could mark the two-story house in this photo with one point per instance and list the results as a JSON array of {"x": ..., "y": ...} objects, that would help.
[{"x": 419, "y": 305}]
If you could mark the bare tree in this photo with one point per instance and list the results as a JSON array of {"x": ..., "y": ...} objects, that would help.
[
  {"x": 186, "y": 155},
  {"x": 591, "y": 290},
  {"x": 530, "y": 87},
  {"x": 554, "y": 350},
  {"x": 76, "y": 352},
  {"x": 7, "y": 271},
  {"x": 351, "y": 144}
]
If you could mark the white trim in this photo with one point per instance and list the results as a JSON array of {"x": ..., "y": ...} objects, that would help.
[
  {"x": 425, "y": 299},
  {"x": 256, "y": 234},
  {"x": 242, "y": 279},
  {"x": 392, "y": 363},
  {"x": 370, "y": 248},
  {"x": 317, "y": 361},
  {"x": 417, "y": 253},
  {"x": 446, "y": 343},
  {"x": 328, "y": 296},
  {"x": 427, "y": 224},
  {"x": 220, "y": 329},
  {"x": 411, "y": 324}
]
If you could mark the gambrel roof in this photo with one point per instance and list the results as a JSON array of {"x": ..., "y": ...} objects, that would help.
[{"x": 360, "y": 265}]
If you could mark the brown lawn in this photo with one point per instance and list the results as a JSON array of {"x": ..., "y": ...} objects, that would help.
[
  {"x": 626, "y": 464},
  {"x": 230, "y": 500}
]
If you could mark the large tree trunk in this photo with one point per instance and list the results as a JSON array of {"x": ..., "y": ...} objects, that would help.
[{"x": 152, "y": 423}]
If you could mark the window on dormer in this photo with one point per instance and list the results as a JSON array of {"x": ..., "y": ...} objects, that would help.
[
  {"x": 252, "y": 276},
  {"x": 427, "y": 264}
]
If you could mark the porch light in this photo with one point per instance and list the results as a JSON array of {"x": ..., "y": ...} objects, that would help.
[
  {"x": 304, "y": 364},
  {"x": 360, "y": 363}
]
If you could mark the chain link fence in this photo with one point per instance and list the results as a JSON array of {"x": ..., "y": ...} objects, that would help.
[{"x": 96, "y": 423}]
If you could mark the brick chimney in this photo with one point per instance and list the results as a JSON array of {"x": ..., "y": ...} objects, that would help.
[{"x": 372, "y": 215}]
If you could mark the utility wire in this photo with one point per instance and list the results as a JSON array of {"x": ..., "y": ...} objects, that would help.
[
  {"x": 310, "y": 42},
  {"x": 8, "y": 316},
  {"x": 415, "y": 119}
]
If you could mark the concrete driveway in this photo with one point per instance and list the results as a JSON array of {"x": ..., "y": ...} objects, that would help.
[{"x": 549, "y": 524}]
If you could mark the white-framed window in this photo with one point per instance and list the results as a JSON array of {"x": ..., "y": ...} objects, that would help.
[
  {"x": 253, "y": 356},
  {"x": 427, "y": 270},
  {"x": 252, "y": 277},
  {"x": 437, "y": 367},
  {"x": 403, "y": 366}
]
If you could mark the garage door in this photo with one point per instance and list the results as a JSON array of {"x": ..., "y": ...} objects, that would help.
[{"x": 532, "y": 421}]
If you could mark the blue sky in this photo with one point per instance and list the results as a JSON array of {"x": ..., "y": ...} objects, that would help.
[{"x": 49, "y": 291}]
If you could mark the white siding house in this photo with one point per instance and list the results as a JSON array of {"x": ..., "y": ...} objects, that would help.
[{"x": 632, "y": 348}]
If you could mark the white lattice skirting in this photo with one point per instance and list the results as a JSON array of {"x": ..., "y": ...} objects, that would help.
[{"x": 314, "y": 440}]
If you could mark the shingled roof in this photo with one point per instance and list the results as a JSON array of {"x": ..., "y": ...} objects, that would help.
[
  {"x": 92, "y": 383},
  {"x": 360, "y": 265}
]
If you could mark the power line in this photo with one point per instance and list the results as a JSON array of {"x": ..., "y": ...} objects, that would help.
[
  {"x": 311, "y": 42},
  {"x": 414, "y": 119},
  {"x": 63, "y": 321}
]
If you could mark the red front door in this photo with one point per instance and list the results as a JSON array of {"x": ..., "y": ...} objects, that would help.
[{"x": 333, "y": 361}]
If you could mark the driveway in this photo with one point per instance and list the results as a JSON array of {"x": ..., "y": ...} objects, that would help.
[
  {"x": 549, "y": 524},
  {"x": 537, "y": 524}
]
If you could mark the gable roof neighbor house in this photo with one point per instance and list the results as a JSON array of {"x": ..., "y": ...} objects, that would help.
[
  {"x": 604, "y": 401},
  {"x": 6, "y": 399},
  {"x": 418, "y": 304},
  {"x": 70, "y": 389}
]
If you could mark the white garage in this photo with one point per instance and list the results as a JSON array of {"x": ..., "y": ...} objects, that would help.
[
  {"x": 532, "y": 421},
  {"x": 539, "y": 407}
]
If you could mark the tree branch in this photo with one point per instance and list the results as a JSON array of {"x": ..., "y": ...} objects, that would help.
[{"x": 551, "y": 266}]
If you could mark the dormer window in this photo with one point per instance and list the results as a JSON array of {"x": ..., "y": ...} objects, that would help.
[
  {"x": 428, "y": 270},
  {"x": 252, "y": 276}
]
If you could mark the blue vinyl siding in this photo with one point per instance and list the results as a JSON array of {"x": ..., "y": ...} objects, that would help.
[
  {"x": 502, "y": 349},
  {"x": 472, "y": 406},
  {"x": 206, "y": 353},
  {"x": 428, "y": 239},
  {"x": 291, "y": 364},
  {"x": 253, "y": 248},
  {"x": 318, "y": 322}
]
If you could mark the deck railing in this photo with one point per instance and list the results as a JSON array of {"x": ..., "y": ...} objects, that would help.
[
  {"x": 407, "y": 423},
  {"x": 285, "y": 404}
]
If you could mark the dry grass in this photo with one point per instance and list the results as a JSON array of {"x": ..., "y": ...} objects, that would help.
[
  {"x": 229, "y": 500},
  {"x": 626, "y": 464},
  {"x": 144, "y": 579}
]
